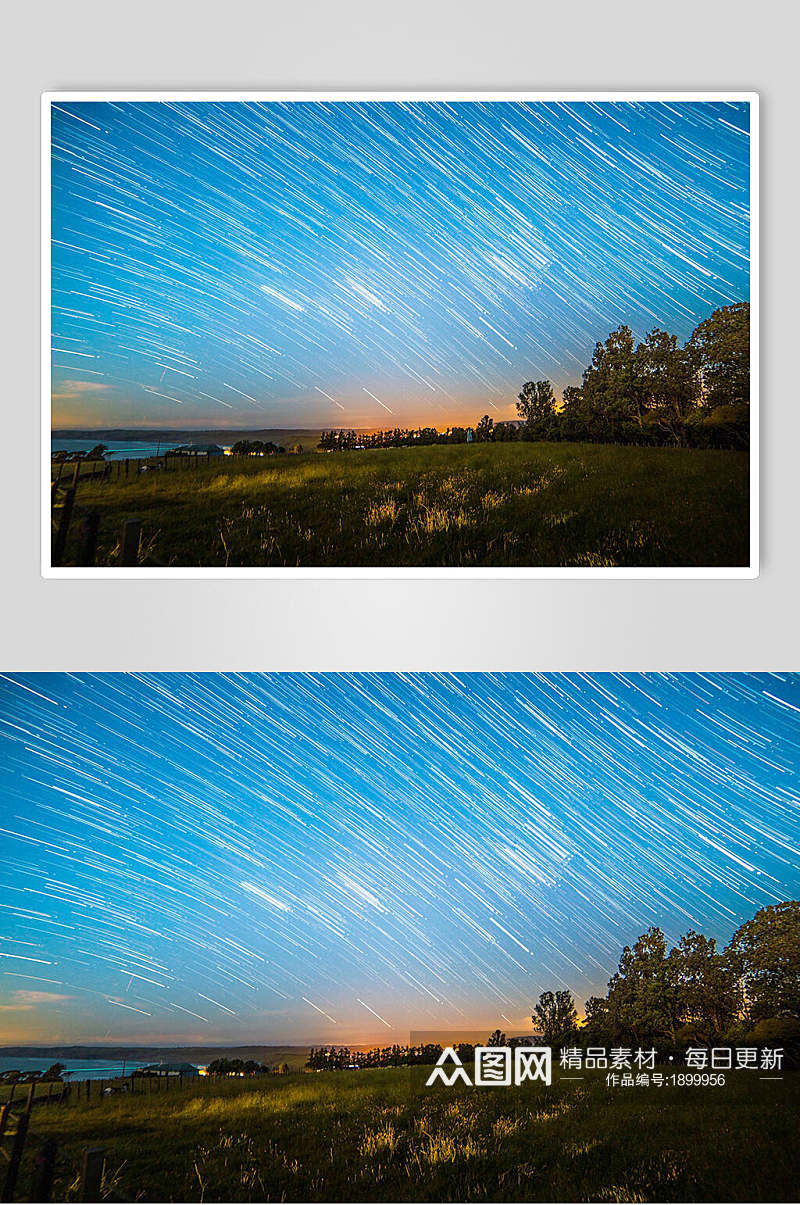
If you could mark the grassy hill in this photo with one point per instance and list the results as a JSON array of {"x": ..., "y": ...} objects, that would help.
[
  {"x": 384, "y": 1136},
  {"x": 505, "y": 504}
]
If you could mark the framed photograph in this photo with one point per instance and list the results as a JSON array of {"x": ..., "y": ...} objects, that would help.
[
  {"x": 400, "y": 937},
  {"x": 386, "y": 334}
]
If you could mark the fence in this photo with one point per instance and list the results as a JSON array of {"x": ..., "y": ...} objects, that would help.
[
  {"x": 73, "y": 472},
  {"x": 16, "y": 1134},
  {"x": 69, "y": 475}
]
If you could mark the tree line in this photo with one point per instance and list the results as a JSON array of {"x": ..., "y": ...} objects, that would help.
[
  {"x": 262, "y": 447},
  {"x": 343, "y": 1058},
  {"x": 656, "y": 392},
  {"x": 693, "y": 992},
  {"x": 398, "y": 437},
  {"x": 747, "y": 992},
  {"x": 246, "y": 1067}
]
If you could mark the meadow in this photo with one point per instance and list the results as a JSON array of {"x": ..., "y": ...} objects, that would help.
[
  {"x": 383, "y": 1136},
  {"x": 492, "y": 504}
]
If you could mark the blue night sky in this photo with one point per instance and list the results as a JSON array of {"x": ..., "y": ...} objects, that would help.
[
  {"x": 372, "y": 264},
  {"x": 349, "y": 857}
]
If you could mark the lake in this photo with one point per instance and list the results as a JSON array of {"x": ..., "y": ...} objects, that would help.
[
  {"x": 80, "y": 1068},
  {"x": 134, "y": 449}
]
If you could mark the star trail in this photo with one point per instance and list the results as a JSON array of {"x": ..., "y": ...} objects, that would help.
[
  {"x": 339, "y": 857},
  {"x": 364, "y": 263}
]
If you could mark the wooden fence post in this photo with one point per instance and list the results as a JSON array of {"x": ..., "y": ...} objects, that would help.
[
  {"x": 5, "y": 1113},
  {"x": 129, "y": 543},
  {"x": 94, "y": 1158},
  {"x": 91, "y": 527},
  {"x": 45, "y": 1169},
  {"x": 31, "y": 1095},
  {"x": 76, "y": 472},
  {"x": 63, "y": 526},
  {"x": 15, "y": 1158}
]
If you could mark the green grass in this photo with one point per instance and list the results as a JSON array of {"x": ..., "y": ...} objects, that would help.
[
  {"x": 514, "y": 504},
  {"x": 384, "y": 1136}
]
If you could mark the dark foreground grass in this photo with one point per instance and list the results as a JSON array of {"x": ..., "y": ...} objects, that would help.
[
  {"x": 383, "y": 1136},
  {"x": 514, "y": 504}
]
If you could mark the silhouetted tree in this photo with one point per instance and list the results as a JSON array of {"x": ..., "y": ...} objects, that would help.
[
  {"x": 611, "y": 389},
  {"x": 555, "y": 1018},
  {"x": 705, "y": 986},
  {"x": 765, "y": 953},
  {"x": 720, "y": 351},
  {"x": 643, "y": 1000},
  {"x": 484, "y": 431},
  {"x": 665, "y": 383},
  {"x": 537, "y": 407}
]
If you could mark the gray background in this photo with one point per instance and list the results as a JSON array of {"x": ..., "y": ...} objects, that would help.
[{"x": 385, "y": 624}]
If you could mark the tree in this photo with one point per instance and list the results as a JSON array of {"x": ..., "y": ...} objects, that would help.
[
  {"x": 596, "y": 1028},
  {"x": 705, "y": 985},
  {"x": 642, "y": 997},
  {"x": 484, "y": 431},
  {"x": 556, "y": 1018},
  {"x": 497, "y": 1039},
  {"x": 255, "y": 447},
  {"x": 97, "y": 452},
  {"x": 571, "y": 398},
  {"x": 537, "y": 403},
  {"x": 765, "y": 953},
  {"x": 719, "y": 350},
  {"x": 611, "y": 389},
  {"x": 665, "y": 381}
]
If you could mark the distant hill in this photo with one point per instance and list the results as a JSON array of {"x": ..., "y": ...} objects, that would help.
[
  {"x": 281, "y": 435},
  {"x": 295, "y": 1056}
]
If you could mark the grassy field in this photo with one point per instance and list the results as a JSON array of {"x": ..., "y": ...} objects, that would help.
[
  {"x": 505, "y": 504},
  {"x": 381, "y": 1135}
]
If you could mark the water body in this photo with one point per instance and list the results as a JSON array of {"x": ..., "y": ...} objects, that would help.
[
  {"x": 79, "y": 1068},
  {"x": 133, "y": 449}
]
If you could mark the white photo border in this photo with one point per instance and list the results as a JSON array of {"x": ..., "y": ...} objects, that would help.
[{"x": 50, "y": 98}]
